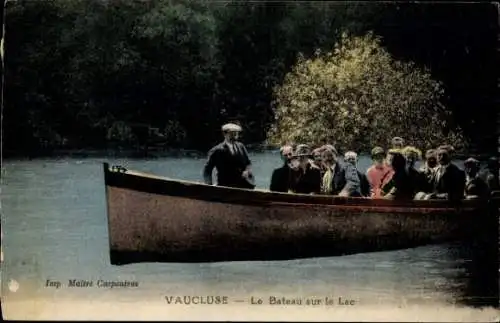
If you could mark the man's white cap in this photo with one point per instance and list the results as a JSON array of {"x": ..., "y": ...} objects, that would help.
[{"x": 231, "y": 127}]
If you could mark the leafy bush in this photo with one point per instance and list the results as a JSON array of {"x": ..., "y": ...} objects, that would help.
[{"x": 358, "y": 96}]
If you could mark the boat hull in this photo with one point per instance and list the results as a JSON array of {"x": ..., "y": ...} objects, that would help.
[{"x": 153, "y": 219}]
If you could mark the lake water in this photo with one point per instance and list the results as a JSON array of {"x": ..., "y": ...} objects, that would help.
[{"x": 55, "y": 227}]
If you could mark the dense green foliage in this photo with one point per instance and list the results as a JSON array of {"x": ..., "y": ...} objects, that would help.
[
  {"x": 87, "y": 73},
  {"x": 357, "y": 96}
]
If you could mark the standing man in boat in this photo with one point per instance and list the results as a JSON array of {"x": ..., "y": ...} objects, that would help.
[{"x": 231, "y": 160}]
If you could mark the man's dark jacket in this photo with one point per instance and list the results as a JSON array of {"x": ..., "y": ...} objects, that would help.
[
  {"x": 280, "y": 179},
  {"x": 306, "y": 182},
  {"x": 452, "y": 182},
  {"x": 229, "y": 166}
]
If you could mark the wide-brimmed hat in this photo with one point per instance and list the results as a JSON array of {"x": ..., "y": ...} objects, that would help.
[
  {"x": 377, "y": 151},
  {"x": 231, "y": 127},
  {"x": 302, "y": 150}
]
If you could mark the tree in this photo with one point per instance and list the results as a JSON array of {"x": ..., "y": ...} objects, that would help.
[
  {"x": 178, "y": 45},
  {"x": 358, "y": 96}
]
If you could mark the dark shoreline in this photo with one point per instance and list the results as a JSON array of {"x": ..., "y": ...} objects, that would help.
[
  {"x": 152, "y": 152},
  {"x": 161, "y": 153}
]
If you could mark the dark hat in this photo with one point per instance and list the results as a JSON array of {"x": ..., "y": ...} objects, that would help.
[
  {"x": 231, "y": 127},
  {"x": 377, "y": 151},
  {"x": 302, "y": 150}
]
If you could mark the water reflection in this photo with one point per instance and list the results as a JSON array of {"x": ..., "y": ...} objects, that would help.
[{"x": 480, "y": 263}]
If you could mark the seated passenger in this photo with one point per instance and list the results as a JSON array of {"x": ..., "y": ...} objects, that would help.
[
  {"x": 475, "y": 187},
  {"x": 449, "y": 180},
  {"x": 316, "y": 159},
  {"x": 412, "y": 155},
  {"x": 305, "y": 177},
  {"x": 281, "y": 176},
  {"x": 334, "y": 176},
  {"x": 428, "y": 169},
  {"x": 390, "y": 154},
  {"x": 356, "y": 183},
  {"x": 379, "y": 173},
  {"x": 388, "y": 162},
  {"x": 492, "y": 174},
  {"x": 401, "y": 185}
]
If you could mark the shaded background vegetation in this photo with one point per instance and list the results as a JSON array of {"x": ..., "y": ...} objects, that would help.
[{"x": 85, "y": 74}]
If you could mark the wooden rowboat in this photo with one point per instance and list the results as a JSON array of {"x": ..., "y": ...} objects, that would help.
[{"x": 156, "y": 219}]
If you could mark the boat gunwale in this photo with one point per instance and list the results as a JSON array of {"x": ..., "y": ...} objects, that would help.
[{"x": 154, "y": 184}]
